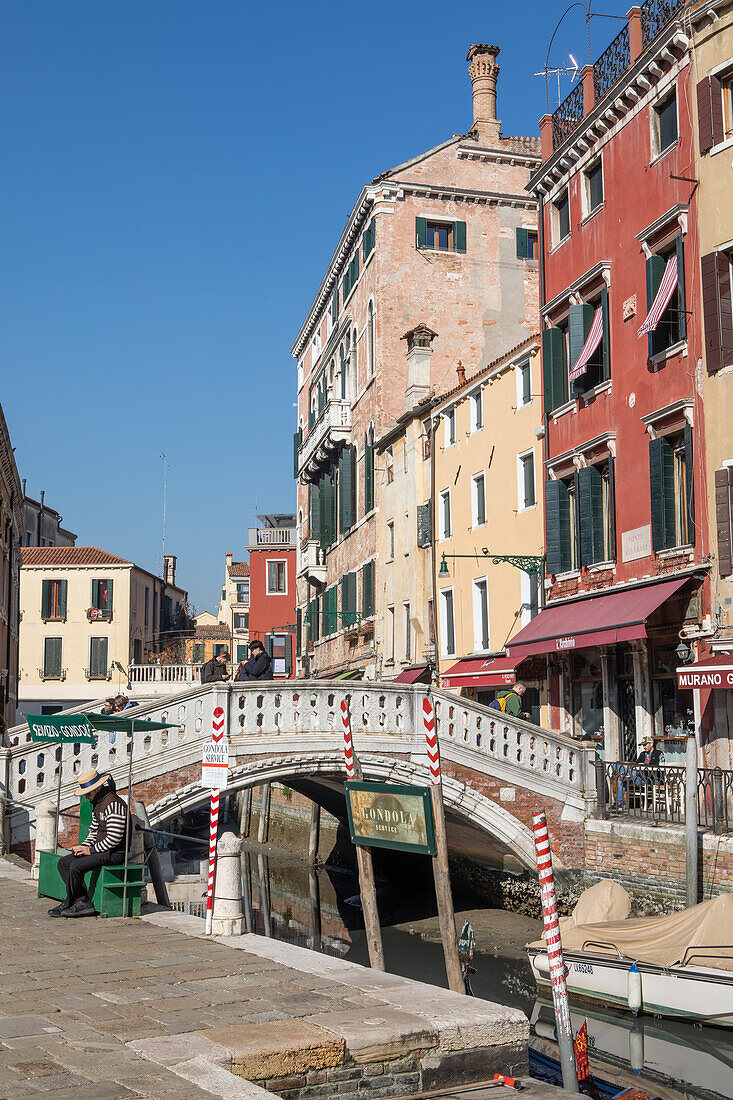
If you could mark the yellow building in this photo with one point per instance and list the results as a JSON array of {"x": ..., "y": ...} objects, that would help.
[
  {"x": 82, "y": 612},
  {"x": 712, "y": 53},
  {"x": 234, "y": 607},
  {"x": 487, "y": 451}
]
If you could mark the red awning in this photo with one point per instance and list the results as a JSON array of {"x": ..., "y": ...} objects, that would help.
[
  {"x": 480, "y": 672},
  {"x": 416, "y": 674},
  {"x": 714, "y": 672},
  {"x": 597, "y": 620}
]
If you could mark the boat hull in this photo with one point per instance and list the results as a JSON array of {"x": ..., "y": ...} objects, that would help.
[{"x": 701, "y": 994}]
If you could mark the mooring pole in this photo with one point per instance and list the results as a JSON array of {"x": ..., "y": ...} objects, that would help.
[
  {"x": 367, "y": 885},
  {"x": 691, "y": 820},
  {"x": 263, "y": 829},
  {"x": 563, "y": 1025},
  {"x": 441, "y": 870},
  {"x": 315, "y": 834},
  {"x": 128, "y": 823}
]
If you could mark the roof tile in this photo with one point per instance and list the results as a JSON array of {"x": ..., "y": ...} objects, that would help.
[{"x": 69, "y": 555}]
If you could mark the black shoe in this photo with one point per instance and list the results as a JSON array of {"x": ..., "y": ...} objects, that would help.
[
  {"x": 82, "y": 907},
  {"x": 58, "y": 910}
]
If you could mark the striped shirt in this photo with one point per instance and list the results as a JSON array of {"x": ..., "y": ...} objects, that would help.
[{"x": 108, "y": 824}]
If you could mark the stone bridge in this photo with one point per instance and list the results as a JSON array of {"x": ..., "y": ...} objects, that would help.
[{"x": 496, "y": 769}]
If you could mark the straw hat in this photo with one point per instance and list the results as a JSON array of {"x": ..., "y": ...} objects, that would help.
[{"x": 91, "y": 781}]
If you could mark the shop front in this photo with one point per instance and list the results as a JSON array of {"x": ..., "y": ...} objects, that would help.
[
  {"x": 710, "y": 680},
  {"x": 482, "y": 678}
]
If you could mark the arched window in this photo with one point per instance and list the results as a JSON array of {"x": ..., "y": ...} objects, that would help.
[{"x": 370, "y": 325}]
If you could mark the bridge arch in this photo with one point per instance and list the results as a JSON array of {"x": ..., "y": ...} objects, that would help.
[{"x": 461, "y": 801}]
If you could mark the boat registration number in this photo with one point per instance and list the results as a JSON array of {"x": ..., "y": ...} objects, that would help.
[{"x": 583, "y": 968}]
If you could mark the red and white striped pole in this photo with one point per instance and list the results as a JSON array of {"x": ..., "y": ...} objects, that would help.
[
  {"x": 217, "y": 734},
  {"x": 348, "y": 744},
  {"x": 563, "y": 1023},
  {"x": 431, "y": 738}
]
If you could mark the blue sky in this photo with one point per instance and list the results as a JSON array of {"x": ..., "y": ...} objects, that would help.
[{"x": 175, "y": 175}]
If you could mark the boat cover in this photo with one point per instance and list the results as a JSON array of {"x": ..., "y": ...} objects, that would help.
[
  {"x": 600, "y": 903},
  {"x": 664, "y": 941}
]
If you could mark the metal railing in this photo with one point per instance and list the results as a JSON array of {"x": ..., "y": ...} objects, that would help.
[
  {"x": 655, "y": 14},
  {"x": 272, "y": 536},
  {"x": 612, "y": 63},
  {"x": 657, "y": 794},
  {"x": 568, "y": 115},
  {"x": 331, "y": 427}
]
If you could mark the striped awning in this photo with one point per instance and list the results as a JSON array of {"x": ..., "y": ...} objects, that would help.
[
  {"x": 593, "y": 339},
  {"x": 663, "y": 295}
]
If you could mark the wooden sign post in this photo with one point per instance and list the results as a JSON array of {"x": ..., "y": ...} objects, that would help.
[
  {"x": 441, "y": 874},
  {"x": 367, "y": 886}
]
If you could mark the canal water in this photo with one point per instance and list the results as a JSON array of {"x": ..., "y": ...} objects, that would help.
[{"x": 319, "y": 909}]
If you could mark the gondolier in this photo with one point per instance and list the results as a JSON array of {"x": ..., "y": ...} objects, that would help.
[{"x": 104, "y": 844}]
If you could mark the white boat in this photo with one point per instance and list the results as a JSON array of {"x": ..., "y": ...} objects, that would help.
[{"x": 679, "y": 966}]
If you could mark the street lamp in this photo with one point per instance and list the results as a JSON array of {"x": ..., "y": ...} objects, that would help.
[{"x": 528, "y": 563}]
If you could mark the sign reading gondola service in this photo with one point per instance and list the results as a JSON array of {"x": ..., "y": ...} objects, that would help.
[{"x": 390, "y": 815}]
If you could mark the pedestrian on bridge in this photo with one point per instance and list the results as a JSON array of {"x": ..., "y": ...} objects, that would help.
[
  {"x": 216, "y": 669},
  {"x": 259, "y": 665},
  {"x": 104, "y": 844}
]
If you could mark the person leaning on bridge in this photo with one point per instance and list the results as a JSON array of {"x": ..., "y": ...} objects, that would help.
[
  {"x": 259, "y": 665},
  {"x": 105, "y": 843},
  {"x": 216, "y": 669}
]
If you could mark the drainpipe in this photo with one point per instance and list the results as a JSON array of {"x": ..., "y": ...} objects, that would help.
[{"x": 433, "y": 548}]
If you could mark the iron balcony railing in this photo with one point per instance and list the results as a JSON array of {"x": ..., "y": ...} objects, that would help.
[
  {"x": 655, "y": 14},
  {"x": 612, "y": 64},
  {"x": 568, "y": 115},
  {"x": 657, "y": 794}
]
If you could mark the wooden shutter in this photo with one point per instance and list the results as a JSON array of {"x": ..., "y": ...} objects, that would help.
[
  {"x": 557, "y": 526},
  {"x": 690, "y": 484},
  {"x": 724, "y": 519},
  {"x": 522, "y": 239},
  {"x": 298, "y": 632},
  {"x": 612, "y": 509},
  {"x": 368, "y": 475},
  {"x": 52, "y": 658},
  {"x": 63, "y": 585},
  {"x": 355, "y": 262},
  {"x": 710, "y": 112},
  {"x": 98, "y": 657},
  {"x": 573, "y": 535},
  {"x": 459, "y": 236},
  {"x": 606, "y": 342},
  {"x": 315, "y": 507},
  {"x": 661, "y": 486},
  {"x": 552, "y": 366},
  {"x": 579, "y": 322},
  {"x": 335, "y": 305},
  {"x": 296, "y": 448},
  {"x": 590, "y": 512},
  {"x": 681, "y": 296},
  {"x": 367, "y": 589},
  {"x": 421, "y": 232},
  {"x": 654, "y": 271},
  {"x": 45, "y": 599},
  {"x": 424, "y": 525},
  {"x": 347, "y": 490},
  {"x": 327, "y": 502},
  {"x": 717, "y": 310}
]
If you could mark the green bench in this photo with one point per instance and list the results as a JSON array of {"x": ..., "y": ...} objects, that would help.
[{"x": 105, "y": 885}]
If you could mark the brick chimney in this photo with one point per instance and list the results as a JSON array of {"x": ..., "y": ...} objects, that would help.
[
  {"x": 484, "y": 73},
  {"x": 461, "y": 372},
  {"x": 169, "y": 569},
  {"x": 419, "y": 351},
  {"x": 230, "y": 555}
]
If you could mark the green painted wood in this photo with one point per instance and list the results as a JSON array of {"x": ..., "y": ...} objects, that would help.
[{"x": 104, "y": 886}]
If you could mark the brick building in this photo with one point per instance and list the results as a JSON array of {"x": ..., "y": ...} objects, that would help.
[
  {"x": 447, "y": 239},
  {"x": 12, "y": 527},
  {"x": 627, "y": 542}
]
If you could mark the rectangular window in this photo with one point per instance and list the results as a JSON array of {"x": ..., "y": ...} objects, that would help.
[
  {"x": 390, "y": 633},
  {"x": 593, "y": 185},
  {"x": 527, "y": 494},
  {"x": 217, "y": 648},
  {"x": 242, "y": 651},
  {"x": 596, "y": 513},
  {"x": 449, "y": 419},
  {"x": 276, "y": 582},
  {"x": 561, "y": 218},
  {"x": 561, "y": 526},
  {"x": 527, "y": 243},
  {"x": 726, "y": 87},
  {"x": 588, "y": 324},
  {"x": 98, "y": 658},
  {"x": 478, "y": 500},
  {"x": 241, "y": 622},
  {"x": 102, "y": 595},
  {"x": 52, "y": 658},
  {"x": 524, "y": 383},
  {"x": 477, "y": 410},
  {"x": 408, "y": 632},
  {"x": 439, "y": 236},
  {"x": 53, "y": 600},
  {"x": 243, "y": 592},
  {"x": 671, "y": 328},
  {"x": 671, "y": 491},
  {"x": 445, "y": 518},
  {"x": 447, "y": 626},
  {"x": 390, "y": 540},
  {"x": 665, "y": 123},
  {"x": 480, "y": 615}
]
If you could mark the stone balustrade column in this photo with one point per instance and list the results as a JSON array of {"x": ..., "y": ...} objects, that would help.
[
  {"x": 45, "y": 832},
  {"x": 227, "y": 917}
]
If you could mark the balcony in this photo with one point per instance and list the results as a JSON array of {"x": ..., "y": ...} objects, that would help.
[
  {"x": 271, "y": 536},
  {"x": 99, "y": 614},
  {"x": 331, "y": 430},
  {"x": 312, "y": 562},
  {"x": 98, "y": 674},
  {"x": 52, "y": 674}
]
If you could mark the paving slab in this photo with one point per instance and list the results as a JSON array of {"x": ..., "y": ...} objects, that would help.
[{"x": 279, "y": 1048}]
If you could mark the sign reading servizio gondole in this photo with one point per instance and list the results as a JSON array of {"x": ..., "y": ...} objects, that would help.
[{"x": 389, "y": 815}]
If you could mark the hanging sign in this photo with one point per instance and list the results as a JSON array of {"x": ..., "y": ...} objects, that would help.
[
  {"x": 57, "y": 727},
  {"x": 215, "y": 765},
  {"x": 390, "y": 815}
]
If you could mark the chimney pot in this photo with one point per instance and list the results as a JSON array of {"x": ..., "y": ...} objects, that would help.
[
  {"x": 484, "y": 72},
  {"x": 461, "y": 372}
]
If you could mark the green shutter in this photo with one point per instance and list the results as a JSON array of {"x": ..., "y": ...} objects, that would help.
[
  {"x": 335, "y": 305},
  {"x": 298, "y": 632},
  {"x": 346, "y": 490},
  {"x": 108, "y": 601},
  {"x": 367, "y": 589},
  {"x": 654, "y": 271},
  {"x": 557, "y": 527},
  {"x": 52, "y": 657},
  {"x": 355, "y": 262},
  {"x": 368, "y": 475},
  {"x": 681, "y": 296},
  {"x": 522, "y": 243},
  {"x": 296, "y": 448},
  {"x": 421, "y": 232},
  {"x": 327, "y": 502},
  {"x": 98, "y": 657},
  {"x": 348, "y": 599},
  {"x": 690, "y": 484},
  {"x": 590, "y": 508},
  {"x": 552, "y": 366},
  {"x": 579, "y": 322},
  {"x": 62, "y": 598},
  {"x": 459, "y": 236},
  {"x": 612, "y": 509},
  {"x": 606, "y": 335},
  {"x": 45, "y": 599},
  {"x": 424, "y": 525},
  {"x": 315, "y": 503},
  {"x": 661, "y": 486}
]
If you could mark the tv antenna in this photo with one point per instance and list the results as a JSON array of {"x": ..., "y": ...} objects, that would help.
[
  {"x": 547, "y": 71},
  {"x": 165, "y": 503},
  {"x": 562, "y": 71}
]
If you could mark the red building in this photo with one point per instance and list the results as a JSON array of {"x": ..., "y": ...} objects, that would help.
[
  {"x": 627, "y": 594},
  {"x": 272, "y": 551}
]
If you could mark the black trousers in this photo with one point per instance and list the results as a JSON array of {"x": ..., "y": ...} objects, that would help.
[{"x": 73, "y": 869}]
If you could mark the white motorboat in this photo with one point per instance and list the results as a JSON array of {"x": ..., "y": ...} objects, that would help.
[{"x": 679, "y": 966}]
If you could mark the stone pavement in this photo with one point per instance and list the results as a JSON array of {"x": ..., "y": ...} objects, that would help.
[{"x": 102, "y": 1009}]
